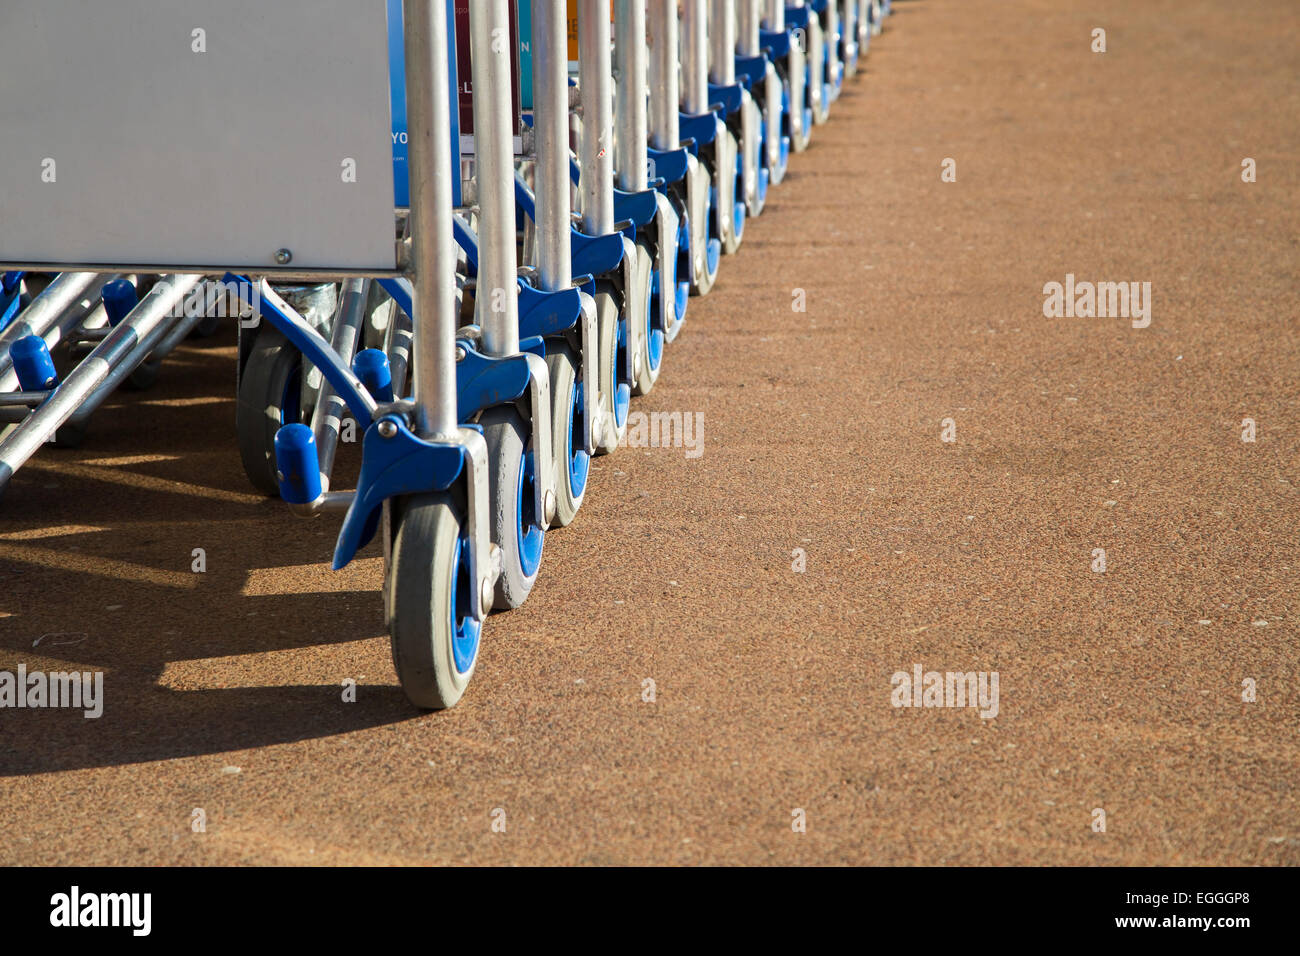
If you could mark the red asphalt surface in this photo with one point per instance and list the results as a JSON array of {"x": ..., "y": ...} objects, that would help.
[{"x": 1119, "y": 691}]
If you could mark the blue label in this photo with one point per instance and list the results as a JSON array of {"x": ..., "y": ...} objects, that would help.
[{"x": 397, "y": 83}]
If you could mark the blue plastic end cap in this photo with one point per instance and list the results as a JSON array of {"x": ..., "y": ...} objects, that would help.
[
  {"x": 371, "y": 366},
  {"x": 298, "y": 464},
  {"x": 120, "y": 298},
  {"x": 33, "y": 365}
]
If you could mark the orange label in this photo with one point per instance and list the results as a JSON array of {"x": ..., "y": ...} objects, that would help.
[
  {"x": 573, "y": 31},
  {"x": 573, "y": 28}
]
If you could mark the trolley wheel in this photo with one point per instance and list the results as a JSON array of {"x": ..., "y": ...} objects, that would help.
[
  {"x": 70, "y": 435},
  {"x": 145, "y": 375},
  {"x": 568, "y": 427},
  {"x": 612, "y": 400},
  {"x": 270, "y": 395},
  {"x": 705, "y": 250},
  {"x": 427, "y": 599},
  {"x": 206, "y": 327},
  {"x": 734, "y": 234},
  {"x": 650, "y": 349},
  {"x": 516, "y": 526},
  {"x": 800, "y": 138}
]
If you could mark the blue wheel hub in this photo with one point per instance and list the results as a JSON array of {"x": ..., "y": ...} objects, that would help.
[
  {"x": 579, "y": 460},
  {"x": 465, "y": 631},
  {"x": 530, "y": 530}
]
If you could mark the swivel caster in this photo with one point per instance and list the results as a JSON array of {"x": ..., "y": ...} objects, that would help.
[
  {"x": 270, "y": 395},
  {"x": 648, "y": 359},
  {"x": 706, "y": 250},
  {"x": 568, "y": 430},
  {"x": 731, "y": 215},
  {"x": 799, "y": 118},
  {"x": 614, "y": 397},
  {"x": 427, "y": 600}
]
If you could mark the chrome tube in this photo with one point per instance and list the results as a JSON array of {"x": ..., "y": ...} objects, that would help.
[
  {"x": 722, "y": 42},
  {"x": 109, "y": 356},
  {"x": 630, "y": 107},
  {"x": 695, "y": 56},
  {"x": 327, "y": 418},
  {"x": 433, "y": 254},
  {"x": 70, "y": 297},
  {"x": 154, "y": 344},
  {"x": 747, "y": 40},
  {"x": 496, "y": 304},
  {"x": 594, "y": 78},
  {"x": 774, "y": 15},
  {"x": 552, "y": 188},
  {"x": 665, "y": 86}
]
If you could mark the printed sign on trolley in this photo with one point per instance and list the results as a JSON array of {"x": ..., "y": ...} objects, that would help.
[{"x": 220, "y": 133}]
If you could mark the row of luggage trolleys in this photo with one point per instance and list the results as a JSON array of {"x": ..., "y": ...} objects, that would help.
[{"x": 550, "y": 256}]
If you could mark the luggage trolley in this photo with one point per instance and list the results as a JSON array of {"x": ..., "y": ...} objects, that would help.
[
  {"x": 385, "y": 284},
  {"x": 553, "y": 308},
  {"x": 303, "y": 194},
  {"x": 784, "y": 35}
]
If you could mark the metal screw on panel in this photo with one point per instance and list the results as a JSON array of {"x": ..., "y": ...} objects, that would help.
[
  {"x": 387, "y": 429},
  {"x": 283, "y": 257}
]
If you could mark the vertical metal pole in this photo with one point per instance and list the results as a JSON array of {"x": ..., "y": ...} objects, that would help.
[
  {"x": 433, "y": 257},
  {"x": 594, "y": 77},
  {"x": 496, "y": 298},
  {"x": 695, "y": 56},
  {"x": 722, "y": 42},
  {"x": 747, "y": 41},
  {"x": 630, "y": 68},
  {"x": 551, "y": 130},
  {"x": 774, "y": 15},
  {"x": 665, "y": 95}
]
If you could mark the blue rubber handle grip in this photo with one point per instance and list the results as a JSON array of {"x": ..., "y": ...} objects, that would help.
[
  {"x": 298, "y": 464},
  {"x": 33, "y": 365}
]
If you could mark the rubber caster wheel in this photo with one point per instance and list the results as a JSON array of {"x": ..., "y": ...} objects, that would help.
[
  {"x": 706, "y": 249},
  {"x": 516, "y": 526},
  {"x": 735, "y": 233},
  {"x": 144, "y": 376},
  {"x": 428, "y": 589},
  {"x": 70, "y": 435},
  {"x": 568, "y": 426},
  {"x": 206, "y": 327},
  {"x": 612, "y": 397},
  {"x": 270, "y": 395},
  {"x": 680, "y": 289},
  {"x": 800, "y": 138},
  {"x": 650, "y": 347}
]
